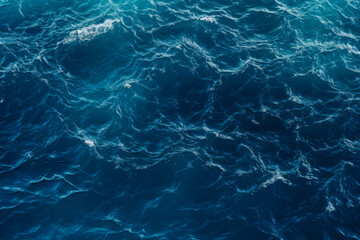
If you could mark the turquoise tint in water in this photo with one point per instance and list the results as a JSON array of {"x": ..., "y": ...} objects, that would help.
[{"x": 179, "y": 119}]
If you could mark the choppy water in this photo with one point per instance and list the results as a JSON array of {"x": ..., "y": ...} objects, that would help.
[{"x": 179, "y": 119}]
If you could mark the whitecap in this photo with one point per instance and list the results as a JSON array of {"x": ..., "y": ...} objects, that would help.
[
  {"x": 330, "y": 207},
  {"x": 127, "y": 85},
  {"x": 89, "y": 143},
  {"x": 208, "y": 19},
  {"x": 274, "y": 178},
  {"x": 89, "y": 32}
]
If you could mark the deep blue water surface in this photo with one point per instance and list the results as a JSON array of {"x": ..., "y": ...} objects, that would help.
[{"x": 179, "y": 119}]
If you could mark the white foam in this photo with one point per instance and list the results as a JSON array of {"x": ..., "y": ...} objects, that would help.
[
  {"x": 208, "y": 19},
  {"x": 212, "y": 164},
  {"x": 275, "y": 178},
  {"x": 88, "y": 33},
  {"x": 89, "y": 143},
  {"x": 255, "y": 122},
  {"x": 127, "y": 85},
  {"x": 219, "y": 135},
  {"x": 330, "y": 207}
]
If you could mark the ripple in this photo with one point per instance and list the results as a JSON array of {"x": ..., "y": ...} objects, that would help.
[{"x": 179, "y": 119}]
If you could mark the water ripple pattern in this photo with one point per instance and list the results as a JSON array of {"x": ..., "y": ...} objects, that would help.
[{"x": 180, "y": 119}]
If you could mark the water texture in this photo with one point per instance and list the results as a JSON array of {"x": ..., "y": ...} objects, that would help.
[{"x": 179, "y": 119}]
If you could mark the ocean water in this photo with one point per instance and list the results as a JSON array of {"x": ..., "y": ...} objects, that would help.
[{"x": 179, "y": 119}]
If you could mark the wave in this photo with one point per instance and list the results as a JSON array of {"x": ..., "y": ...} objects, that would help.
[
  {"x": 179, "y": 119},
  {"x": 90, "y": 32}
]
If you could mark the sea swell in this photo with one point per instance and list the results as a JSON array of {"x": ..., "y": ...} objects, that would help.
[{"x": 179, "y": 119}]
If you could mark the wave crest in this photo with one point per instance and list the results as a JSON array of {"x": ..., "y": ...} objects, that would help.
[{"x": 90, "y": 32}]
